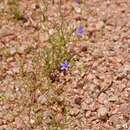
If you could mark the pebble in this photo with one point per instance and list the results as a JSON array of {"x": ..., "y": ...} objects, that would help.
[
  {"x": 19, "y": 123},
  {"x": 2, "y": 7},
  {"x": 102, "y": 112},
  {"x": 102, "y": 98},
  {"x": 59, "y": 117},
  {"x": 21, "y": 49},
  {"x": 5, "y": 30},
  {"x": 113, "y": 98},
  {"x": 99, "y": 25},
  {"x": 77, "y": 9},
  {"x": 87, "y": 114},
  {"x": 32, "y": 121},
  {"x": 74, "y": 111},
  {"x": 78, "y": 100},
  {"x": 85, "y": 106},
  {"x": 43, "y": 37},
  {"x": 42, "y": 99},
  {"x": 117, "y": 121},
  {"x": 12, "y": 50},
  {"x": 9, "y": 117},
  {"x": 51, "y": 31},
  {"x": 124, "y": 109}
]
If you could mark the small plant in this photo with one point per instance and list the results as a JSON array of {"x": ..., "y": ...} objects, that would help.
[{"x": 56, "y": 54}]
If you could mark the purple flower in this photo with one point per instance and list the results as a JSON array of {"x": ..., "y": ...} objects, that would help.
[
  {"x": 80, "y": 30},
  {"x": 65, "y": 66}
]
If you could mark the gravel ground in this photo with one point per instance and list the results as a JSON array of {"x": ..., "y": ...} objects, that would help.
[{"x": 94, "y": 94}]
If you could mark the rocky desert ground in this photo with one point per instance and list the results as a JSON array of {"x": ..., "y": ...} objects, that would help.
[{"x": 64, "y": 64}]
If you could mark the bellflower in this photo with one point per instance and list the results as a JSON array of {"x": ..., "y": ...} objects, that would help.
[
  {"x": 80, "y": 30},
  {"x": 65, "y": 66}
]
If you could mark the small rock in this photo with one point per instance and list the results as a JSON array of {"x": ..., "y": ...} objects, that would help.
[
  {"x": 106, "y": 84},
  {"x": 59, "y": 117},
  {"x": 124, "y": 109},
  {"x": 74, "y": 111},
  {"x": 77, "y": 9},
  {"x": 42, "y": 99},
  {"x": 2, "y": 7},
  {"x": 117, "y": 121},
  {"x": 78, "y": 100},
  {"x": 87, "y": 114},
  {"x": 47, "y": 114},
  {"x": 51, "y": 31},
  {"x": 102, "y": 98},
  {"x": 5, "y": 30},
  {"x": 84, "y": 48},
  {"x": 21, "y": 49},
  {"x": 115, "y": 38},
  {"x": 43, "y": 37},
  {"x": 102, "y": 112},
  {"x": 85, "y": 106},
  {"x": 99, "y": 25},
  {"x": 113, "y": 98},
  {"x": 125, "y": 125},
  {"x": 19, "y": 123},
  {"x": 12, "y": 50},
  {"x": 32, "y": 121},
  {"x": 9, "y": 117}
]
